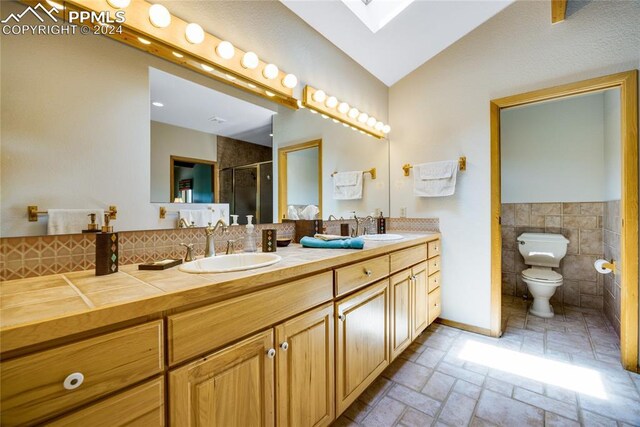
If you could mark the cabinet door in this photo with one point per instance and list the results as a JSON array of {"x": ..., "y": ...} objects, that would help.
[
  {"x": 362, "y": 341},
  {"x": 305, "y": 369},
  {"x": 232, "y": 387},
  {"x": 420, "y": 300},
  {"x": 400, "y": 316}
]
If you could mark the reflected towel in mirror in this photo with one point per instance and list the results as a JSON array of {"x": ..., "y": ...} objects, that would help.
[
  {"x": 198, "y": 217},
  {"x": 71, "y": 221},
  {"x": 435, "y": 179},
  {"x": 347, "y": 185},
  {"x": 310, "y": 212}
]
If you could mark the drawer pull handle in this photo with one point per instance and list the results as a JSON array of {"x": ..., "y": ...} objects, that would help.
[
  {"x": 271, "y": 353},
  {"x": 341, "y": 317},
  {"x": 284, "y": 346},
  {"x": 73, "y": 381},
  {"x": 368, "y": 272}
]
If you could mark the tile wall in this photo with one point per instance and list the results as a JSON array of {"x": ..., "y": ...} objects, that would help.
[
  {"x": 582, "y": 224},
  {"x": 612, "y": 225},
  {"x": 22, "y": 257}
]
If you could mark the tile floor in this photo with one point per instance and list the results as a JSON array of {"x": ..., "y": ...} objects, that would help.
[{"x": 563, "y": 371}]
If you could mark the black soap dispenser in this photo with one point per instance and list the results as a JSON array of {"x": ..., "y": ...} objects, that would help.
[{"x": 106, "y": 250}]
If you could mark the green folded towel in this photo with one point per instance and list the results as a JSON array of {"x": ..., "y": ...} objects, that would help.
[{"x": 312, "y": 242}]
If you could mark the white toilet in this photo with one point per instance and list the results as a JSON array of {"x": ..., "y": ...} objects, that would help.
[{"x": 542, "y": 252}]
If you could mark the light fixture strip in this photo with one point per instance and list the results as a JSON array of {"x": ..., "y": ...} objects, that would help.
[
  {"x": 309, "y": 102},
  {"x": 173, "y": 36}
]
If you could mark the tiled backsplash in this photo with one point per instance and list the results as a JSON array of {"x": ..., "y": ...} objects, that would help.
[
  {"x": 612, "y": 282},
  {"x": 581, "y": 223},
  {"x": 22, "y": 257}
]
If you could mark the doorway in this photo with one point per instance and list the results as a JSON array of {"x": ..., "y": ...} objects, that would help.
[{"x": 627, "y": 84}]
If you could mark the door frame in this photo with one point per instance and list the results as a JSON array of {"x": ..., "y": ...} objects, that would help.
[
  {"x": 627, "y": 82},
  {"x": 282, "y": 174},
  {"x": 215, "y": 185}
]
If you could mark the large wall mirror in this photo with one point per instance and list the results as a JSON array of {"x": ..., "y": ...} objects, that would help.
[{"x": 89, "y": 122}]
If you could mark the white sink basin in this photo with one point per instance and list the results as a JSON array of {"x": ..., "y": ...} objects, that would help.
[
  {"x": 227, "y": 263},
  {"x": 382, "y": 237}
]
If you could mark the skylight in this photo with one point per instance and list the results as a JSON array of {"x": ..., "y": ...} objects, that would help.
[{"x": 376, "y": 15}]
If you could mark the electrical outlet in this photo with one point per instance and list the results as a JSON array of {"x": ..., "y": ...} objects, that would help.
[{"x": 403, "y": 212}]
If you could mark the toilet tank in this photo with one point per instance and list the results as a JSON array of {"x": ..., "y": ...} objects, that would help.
[{"x": 542, "y": 249}]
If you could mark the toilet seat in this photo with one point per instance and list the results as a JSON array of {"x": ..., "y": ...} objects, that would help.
[{"x": 542, "y": 275}]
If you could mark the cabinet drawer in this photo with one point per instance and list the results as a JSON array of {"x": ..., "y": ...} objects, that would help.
[
  {"x": 358, "y": 275},
  {"x": 140, "y": 406},
  {"x": 198, "y": 331},
  {"x": 435, "y": 306},
  {"x": 434, "y": 248},
  {"x": 434, "y": 281},
  {"x": 33, "y": 387},
  {"x": 434, "y": 265},
  {"x": 408, "y": 257}
]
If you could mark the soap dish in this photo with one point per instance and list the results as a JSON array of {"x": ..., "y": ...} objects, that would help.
[{"x": 160, "y": 265}]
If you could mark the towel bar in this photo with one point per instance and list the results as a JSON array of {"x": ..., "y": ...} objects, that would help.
[
  {"x": 33, "y": 212},
  {"x": 462, "y": 166},
  {"x": 163, "y": 212},
  {"x": 371, "y": 171}
]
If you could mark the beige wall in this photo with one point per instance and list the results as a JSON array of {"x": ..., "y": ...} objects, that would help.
[
  {"x": 168, "y": 140},
  {"x": 441, "y": 111},
  {"x": 75, "y": 109}
]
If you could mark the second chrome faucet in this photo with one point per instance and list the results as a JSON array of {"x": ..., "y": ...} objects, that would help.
[{"x": 209, "y": 248}]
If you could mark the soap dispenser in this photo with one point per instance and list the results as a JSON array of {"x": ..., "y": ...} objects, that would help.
[{"x": 250, "y": 237}]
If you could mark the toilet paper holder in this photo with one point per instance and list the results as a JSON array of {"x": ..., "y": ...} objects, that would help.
[{"x": 605, "y": 267}]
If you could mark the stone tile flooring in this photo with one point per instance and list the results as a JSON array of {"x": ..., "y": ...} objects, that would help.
[{"x": 563, "y": 371}]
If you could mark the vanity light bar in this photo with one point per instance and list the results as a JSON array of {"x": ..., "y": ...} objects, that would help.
[
  {"x": 186, "y": 43},
  {"x": 317, "y": 101}
]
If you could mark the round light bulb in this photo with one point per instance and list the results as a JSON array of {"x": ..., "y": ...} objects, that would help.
[
  {"x": 386, "y": 129},
  {"x": 379, "y": 126},
  {"x": 250, "y": 60},
  {"x": 225, "y": 50},
  {"x": 159, "y": 16},
  {"x": 371, "y": 121},
  {"x": 353, "y": 113},
  {"x": 119, "y": 4},
  {"x": 290, "y": 81},
  {"x": 319, "y": 96},
  {"x": 363, "y": 117},
  {"x": 331, "y": 102},
  {"x": 270, "y": 71},
  {"x": 343, "y": 108},
  {"x": 194, "y": 33}
]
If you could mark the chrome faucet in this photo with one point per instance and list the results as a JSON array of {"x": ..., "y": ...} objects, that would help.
[
  {"x": 355, "y": 232},
  {"x": 209, "y": 249},
  {"x": 188, "y": 256},
  {"x": 231, "y": 246},
  {"x": 184, "y": 224},
  {"x": 333, "y": 218}
]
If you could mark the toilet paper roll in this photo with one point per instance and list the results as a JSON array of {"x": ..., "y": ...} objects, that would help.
[{"x": 599, "y": 265}]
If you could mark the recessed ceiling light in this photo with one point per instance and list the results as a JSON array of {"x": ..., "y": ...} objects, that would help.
[
  {"x": 178, "y": 55},
  {"x": 157, "y": 104},
  {"x": 143, "y": 41}
]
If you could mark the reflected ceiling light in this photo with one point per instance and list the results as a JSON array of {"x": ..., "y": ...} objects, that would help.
[
  {"x": 270, "y": 71},
  {"x": 363, "y": 117},
  {"x": 386, "y": 129},
  {"x": 290, "y": 81},
  {"x": 159, "y": 16},
  {"x": 178, "y": 55},
  {"x": 144, "y": 41},
  {"x": 119, "y": 4},
  {"x": 194, "y": 33},
  {"x": 343, "y": 108},
  {"x": 353, "y": 113},
  {"x": 271, "y": 94},
  {"x": 250, "y": 60},
  {"x": 371, "y": 121},
  {"x": 157, "y": 104},
  {"x": 58, "y": 6},
  {"x": 206, "y": 67},
  {"x": 319, "y": 96},
  {"x": 331, "y": 102},
  {"x": 225, "y": 50},
  {"x": 379, "y": 126}
]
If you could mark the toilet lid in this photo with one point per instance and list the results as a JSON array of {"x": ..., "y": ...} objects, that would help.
[{"x": 542, "y": 274}]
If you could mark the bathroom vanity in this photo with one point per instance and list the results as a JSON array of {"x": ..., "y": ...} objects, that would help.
[{"x": 294, "y": 343}]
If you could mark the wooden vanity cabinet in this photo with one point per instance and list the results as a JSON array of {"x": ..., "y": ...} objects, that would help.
[
  {"x": 420, "y": 319},
  {"x": 362, "y": 341}
]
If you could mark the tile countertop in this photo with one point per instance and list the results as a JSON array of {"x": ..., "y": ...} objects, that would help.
[{"x": 45, "y": 308}]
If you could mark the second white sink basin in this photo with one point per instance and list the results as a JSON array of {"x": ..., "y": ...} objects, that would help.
[
  {"x": 382, "y": 237},
  {"x": 227, "y": 263}
]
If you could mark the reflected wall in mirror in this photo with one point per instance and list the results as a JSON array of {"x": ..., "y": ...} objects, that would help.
[{"x": 300, "y": 181}]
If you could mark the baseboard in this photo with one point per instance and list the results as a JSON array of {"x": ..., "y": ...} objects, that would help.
[{"x": 464, "y": 326}]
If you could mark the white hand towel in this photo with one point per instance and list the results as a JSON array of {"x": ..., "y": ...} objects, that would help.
[
  {"x": 436, "y": 179},
  {"x": 347, "y": 185},
  {"x": 309, "y": 212},
  {"x": 199, "y": 217},
  {"x": 71, "y": 221},
  {"x": 292, "y": 213}
]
